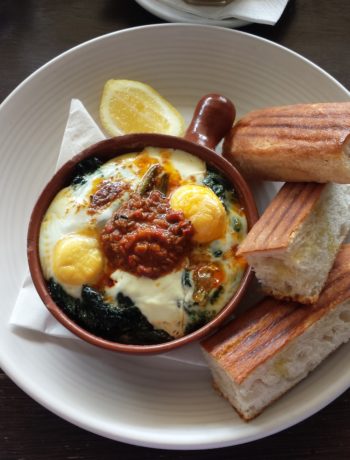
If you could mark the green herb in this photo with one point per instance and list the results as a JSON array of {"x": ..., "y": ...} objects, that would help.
[
  {"x": 216, "y": 294},
  {"x": 217, "y": 183},
  {"x": 236, "y": 224},
  {"x": 124, "y": 323},
  {"x": 186, "y": 279},
  {"x": 148, "y": 179},
  {"x": 124, "y": 301},
  {"x": 163, "y": 183},
  {"x": 198, "y": 319},
  {"x": 85, "y": 167},
  {"x": 68, "y": 303}
]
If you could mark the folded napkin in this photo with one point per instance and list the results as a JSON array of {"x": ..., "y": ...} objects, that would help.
[
  {"x": 260, "y": 11},
  {"x": 29, "y": 311}
]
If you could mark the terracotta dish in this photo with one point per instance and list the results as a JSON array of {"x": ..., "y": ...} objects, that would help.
[{"x": 213, "y": 117}]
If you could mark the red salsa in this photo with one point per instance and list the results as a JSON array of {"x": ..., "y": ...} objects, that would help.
[{"x": 146, "y": 237}]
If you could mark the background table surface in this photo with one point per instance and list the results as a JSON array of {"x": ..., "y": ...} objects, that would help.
[{"x": 34, "y": 31}]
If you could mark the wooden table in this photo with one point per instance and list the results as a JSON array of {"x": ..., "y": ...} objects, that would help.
[{"x": 31, "y": 33}]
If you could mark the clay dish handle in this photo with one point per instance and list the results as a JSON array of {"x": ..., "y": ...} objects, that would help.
[{"x": 212, "y": 119}]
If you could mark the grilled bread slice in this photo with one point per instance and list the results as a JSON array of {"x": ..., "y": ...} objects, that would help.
[
  {"x": 293, "y": 245},
  {"x": 296, "y": 143},
  {"x": 268, "y": 349}
]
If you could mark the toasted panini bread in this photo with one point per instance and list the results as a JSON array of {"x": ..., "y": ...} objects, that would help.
[
  {"x": 293, "y": 245},
  {"x": 271, "y": 347},
  {"x": 296, "y": 143}
]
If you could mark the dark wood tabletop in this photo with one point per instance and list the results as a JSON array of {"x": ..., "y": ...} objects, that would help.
[{"x": 34, "y": 31}]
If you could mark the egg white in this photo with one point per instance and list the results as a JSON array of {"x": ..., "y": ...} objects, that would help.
[
  {"x": 160, "y": 300},
  {"x": 64, "y": 216},
  {"x": 189, "y": 166}
]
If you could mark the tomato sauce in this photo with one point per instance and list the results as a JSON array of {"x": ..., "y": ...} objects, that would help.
[{"x": 146, "y": 237}]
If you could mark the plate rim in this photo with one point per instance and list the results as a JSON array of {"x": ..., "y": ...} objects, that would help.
[{"x": 169, "y": 25}]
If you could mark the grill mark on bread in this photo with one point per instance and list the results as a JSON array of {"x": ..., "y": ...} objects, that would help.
[
  {"x": 288, "y": 135},
  {"x": 336, "y": 297},
  {"x": 248, "y": 334},
  {"x": 287, "y": 321},
  {"x": 322, "y": 111},
  {"x": 297, "y": 319},
  {"x": 243, "y": 344},
  {"x": 240, "y": 359},
  {"x": 295, "y": 208},
  {"x": 274, "y": 128},
  {"x": 256, "y": 237},
  {"x": 296, "y": 143},
  {"x": 266, "y": 114},
  {"x": 311, "y": 126},
  {"x": 336, "y": 290},
  {"x": 274, "y": 228},
  {"x": 337, "y": 278},
  {"x": 266, "y": 341},
  {"x": 246, "y": 360},
  {"x": 274, "y": 207}
]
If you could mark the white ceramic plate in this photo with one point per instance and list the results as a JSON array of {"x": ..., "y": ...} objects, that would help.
[
  {"x": 168, "y": 13},
  {"x": 141, "y": 400}
]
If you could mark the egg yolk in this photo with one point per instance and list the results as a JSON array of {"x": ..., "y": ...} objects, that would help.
[
  {"x": 203, "y": 208},
  {"x": 77, "y": 259}
]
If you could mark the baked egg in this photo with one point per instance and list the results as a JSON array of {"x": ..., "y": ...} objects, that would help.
[{"x": 141, "y": 249}]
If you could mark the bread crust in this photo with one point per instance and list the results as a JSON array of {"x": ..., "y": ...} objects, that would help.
[
  {"x": 268, "y": 327},
  {"x": 275, "y": 229},
  {"x": 309, "y": 299},
  {"x": 245, "y": 417},
  {"x": 295, "y": 143}
]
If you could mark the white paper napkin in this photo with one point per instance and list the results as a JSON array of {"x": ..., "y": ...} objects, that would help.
[
  {"x": 29, "y": 311},
  {"x": 260, "y": 11}
]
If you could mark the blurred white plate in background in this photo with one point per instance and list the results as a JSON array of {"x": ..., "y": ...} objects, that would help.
[{"x": 168, "y": 13}]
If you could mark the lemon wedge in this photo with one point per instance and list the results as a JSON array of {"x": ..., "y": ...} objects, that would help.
[{"x": 129, "y": 106}]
